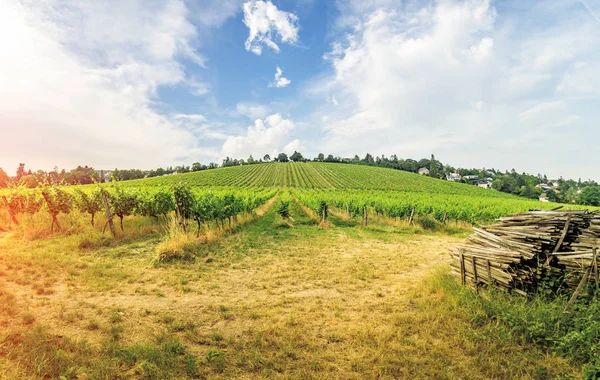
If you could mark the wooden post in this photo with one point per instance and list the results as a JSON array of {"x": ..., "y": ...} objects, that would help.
[
  {"x": 489, "y": 271},
  {"x": 462, "y": 269},
  {"x": 475, "y": 275},
  {"x": 366, "y": 216},
  {"x": 13, "y": 218},
  {"x": 596, "y": 269},
  {"x": 412, "y": 214},
  {"x": 445, "y": 215},
  {"x": 347, "y": 210},
  {"x": 564, "y": 234},
  {"x": 580, "y": 287},
  {"x": 109, "y": 216}
]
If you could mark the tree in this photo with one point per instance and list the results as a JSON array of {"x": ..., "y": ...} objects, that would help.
[
  {"x": 282, "y": 157},
  {"x": 551, "y": 196},
  {"x": 3, "y": 178},
  {"x": 30, "y": 181},
  {"x": 433, "y": 167},
  {"x": 321, "y": 157},
  {"x": 20, "y": 171},
  {"x": 267, "y": 158},
  {"x": 590, "y": 196},
  {"x": 296, "y": 156},
  {"x": 196, "y": 166}
]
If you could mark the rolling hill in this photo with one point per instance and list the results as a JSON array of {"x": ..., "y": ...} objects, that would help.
[{"x": 318, "y": 175}]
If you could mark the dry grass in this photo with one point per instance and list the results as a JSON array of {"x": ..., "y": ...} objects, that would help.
[{"x": 264, "y": 301}]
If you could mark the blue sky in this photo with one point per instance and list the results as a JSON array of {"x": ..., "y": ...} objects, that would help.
[{"x": 503, "y": 84}]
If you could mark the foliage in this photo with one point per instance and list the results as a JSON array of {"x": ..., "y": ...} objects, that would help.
[
  {"x": 123, "y": 203},
  {"x": 282, "y": 157},
  {"x": 590, "y": 195},
  {"x": 89, "y": 203},
  {"x": 540, "y": 320},
  {"x": 283, "y": 208}
]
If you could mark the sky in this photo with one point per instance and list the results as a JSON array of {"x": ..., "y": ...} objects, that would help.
[{"x": 156, "y": 83}]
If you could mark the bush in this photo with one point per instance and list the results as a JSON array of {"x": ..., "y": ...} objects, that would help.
[
  {"x": 427, "y": 223},
  {"x": 283, "y": 208}
]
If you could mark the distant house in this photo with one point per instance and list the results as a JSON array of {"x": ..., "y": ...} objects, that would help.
[
  {"x": 484, "y": 183},
  {"x": 453, "y": 177},
  {"x": 470, "y": 177},
  {"x": 544, "y": 198},
  {"x": 544, "y": 186},
  {"x": 423, "y": 171}
]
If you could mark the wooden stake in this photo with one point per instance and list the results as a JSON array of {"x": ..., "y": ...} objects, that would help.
[
  {"x": 475, "y": 275},
  {"x": 489, "y": 271},
  {"x": 412, "y": 214},
  {"x": 580, "y": 287},
  {"x": 366, "y": 218},
  {"x": 13, "y": 218},
  {"x": 595, "y": 262},
  {"x": 462, "y": 269},
  {"x": 564, "y": 234},
  {"x": 109, "y": 216}
]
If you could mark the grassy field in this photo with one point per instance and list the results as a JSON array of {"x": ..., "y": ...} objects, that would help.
[{"x": 269, "y": 299}]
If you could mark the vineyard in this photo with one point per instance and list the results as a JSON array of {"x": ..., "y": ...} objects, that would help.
[
  {"x": 317, "y": 175},
  {"x": 221, "y": 194},
  {"x": 188, "y": 204}
]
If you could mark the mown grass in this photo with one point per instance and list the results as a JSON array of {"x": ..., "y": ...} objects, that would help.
[{"x": 263, "y": 301}]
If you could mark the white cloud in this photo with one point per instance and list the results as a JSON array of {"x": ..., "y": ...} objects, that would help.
[
  {"x": 198, "y": 88},
  {"x": 264, "y": 20},
  {"x": 458, "y": 79},
  {"x": 192, "y": 117},
  {"x": 280, "y": 81},
  {"x": 265, "y": 136},
  {"x": 80, "y": 83},
  {"x": 252, "y": 111}
]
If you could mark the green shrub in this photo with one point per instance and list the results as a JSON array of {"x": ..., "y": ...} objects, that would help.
[
  {"x": 283, "y": 208},
  {"x": 539, "y": 320},
  {"x": 427, "y": 223}
]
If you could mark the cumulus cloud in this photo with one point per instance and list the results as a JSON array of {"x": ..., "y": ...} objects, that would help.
[
  {"x": 418, "y": 78},
  {"x": 81, "y": 82},
  {"x": 280, "y": 81},
  {"x": 271, "y": 135},
  {"x": 265, "y": 21}
]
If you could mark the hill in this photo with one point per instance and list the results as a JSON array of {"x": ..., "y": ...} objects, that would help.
[{"x": 319, "y": 175}]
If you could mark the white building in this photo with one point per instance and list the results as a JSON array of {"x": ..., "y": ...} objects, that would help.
[{"x": 423, "y": 171}]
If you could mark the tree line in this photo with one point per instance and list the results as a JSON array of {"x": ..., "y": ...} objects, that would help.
[{"x": 512, "y": 182}]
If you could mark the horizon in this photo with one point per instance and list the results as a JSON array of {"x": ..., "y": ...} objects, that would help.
[{"x": 481, "y": 84}]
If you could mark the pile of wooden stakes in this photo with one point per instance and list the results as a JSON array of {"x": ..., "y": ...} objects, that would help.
[{"x": 522, "y": 249}]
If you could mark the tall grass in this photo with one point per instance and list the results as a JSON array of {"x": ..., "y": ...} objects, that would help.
[{"x": 539, "y": 320}]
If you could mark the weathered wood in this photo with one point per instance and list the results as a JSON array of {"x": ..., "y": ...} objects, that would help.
[
  {"x": 579, "y": 289},
  {"x": 462, "y": 268},
  {"x": 475, "y": 282},
  {"x": 412, "y": 214},
  {"x": 596, "y": 269},
  {"x": 109, "y": 216},
  {"x": 517, "y": 252}
]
